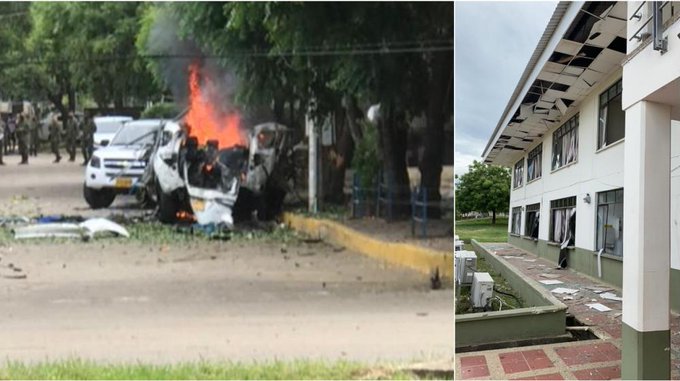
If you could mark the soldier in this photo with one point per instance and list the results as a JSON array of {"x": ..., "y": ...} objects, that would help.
[
  {"x": 71, "y": 129},
  {"x": 22, "y": 137},
  {"x": 35, "y": 138},
  {"x": 87, "y": 138},
  {"x": 55, "y": 137}
]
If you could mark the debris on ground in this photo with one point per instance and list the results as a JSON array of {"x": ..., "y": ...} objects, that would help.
[
  {"x": 550, "y": 276},
  {"x": 14, "y": 220},
  {"x": 599, "y": 306},
  {"x": 564, "y": 290},
  {"x": 551, "y": 281},
  {"x": 611, "y": 296},
  {"x": 84, "y": 230}
]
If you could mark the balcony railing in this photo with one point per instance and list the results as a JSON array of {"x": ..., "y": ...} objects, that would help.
[{"x": 662, "y": 15}]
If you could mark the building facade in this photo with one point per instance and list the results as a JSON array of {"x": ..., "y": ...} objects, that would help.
[{"x": 592, "y": 137}]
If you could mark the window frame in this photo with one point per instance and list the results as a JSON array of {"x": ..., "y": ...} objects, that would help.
[
  {"x": 531, "y": 209},
  {"x": 536, "y": 155},
  {"x": 558, "y": 204},
  {"x": 605, "y": 98},
  {"x": 517, "y": 209},
  {"x": 618, "y": 200},
  {"x": 518, "y": 181},
  {"x": 560, "y": 133}
]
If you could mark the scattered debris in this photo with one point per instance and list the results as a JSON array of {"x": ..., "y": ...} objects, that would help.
[
  {"x": 84, "y": 230},
  {"x": 550, "y": 276},
  {"x": 598, "y": 290},
  {"x": 568, "y": 298},
  {"x": 14, "y": 220},
  {"x": 530, "y": 260},
  {"x": 598, "y": 306},
  {"x": 611, "y": 296},
  {"x": 563, "y": 290},
  {"x": 551, "y": 281}
]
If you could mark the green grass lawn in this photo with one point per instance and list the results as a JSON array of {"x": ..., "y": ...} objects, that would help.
[
  {"x": 275, "y": 370},
  {"x": 482, "y": 230}
]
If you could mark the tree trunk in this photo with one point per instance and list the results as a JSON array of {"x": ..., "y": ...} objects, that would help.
[
  {"x": 393, "y": 139},
  {"x": 493, "y": 217},
  {"x": 71, "y": 100},
  {"x": 353, "y": 114},
  {"x": 339, "y": 159},
  {"x": 433, "y": 143}
]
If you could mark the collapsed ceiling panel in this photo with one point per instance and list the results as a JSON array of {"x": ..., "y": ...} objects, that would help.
[{"x": 592, "y": 47}]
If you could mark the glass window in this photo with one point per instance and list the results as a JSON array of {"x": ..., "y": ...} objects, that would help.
[
  {"x": 610, "y": 222},
  {"x": 565, "y": 143},
  {"x": 518, "y": 174},
  {"x": 612, "y": 120},
  {"x": 533, "y": 215},
  {"x": 534, "y": 163},
  {"x": 563, "y": 220},
  {"x": 516, "y": 227}
]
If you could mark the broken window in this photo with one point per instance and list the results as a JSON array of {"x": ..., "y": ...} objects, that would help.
[
  {"x": 565, "y": 143},
  {"x": 610, "y": 222},
  {"x": 518, "y": 174},
  {"x": 534, "y": 163},
  {"x": 516, "y": 227},
  {"x": 612, "y": 123},
  {"x": 563, "y": 220},
  {"x": 533, "y": 215}
]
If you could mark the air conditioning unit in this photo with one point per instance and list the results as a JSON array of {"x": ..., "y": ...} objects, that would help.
[
  {"x": 466, "y": 265},
  {"x": 458, "y": 245},
  {"x": 482, "y": 289}
]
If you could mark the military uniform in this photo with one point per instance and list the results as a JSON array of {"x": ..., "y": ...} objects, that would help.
[
  {"x": 22, "y": 134},
  {"x": 55, "y": 138},
  {"x": 70, "y": 128},
  {"x": 35, "y": 139},
  {"x": 87, "y": 139}
]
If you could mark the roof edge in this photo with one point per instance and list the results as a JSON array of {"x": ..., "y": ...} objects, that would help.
[{"x": 548, "y": 33}]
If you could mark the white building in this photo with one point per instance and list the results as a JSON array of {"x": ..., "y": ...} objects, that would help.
[{"x": 592, "y": 136}]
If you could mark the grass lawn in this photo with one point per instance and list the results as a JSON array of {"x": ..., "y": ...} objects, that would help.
[
  {"x": 275, "y": 370},
  {"x": 482, "y": 230}
]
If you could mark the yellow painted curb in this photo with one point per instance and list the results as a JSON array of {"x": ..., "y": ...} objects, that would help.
[{"x": 419, "y": 258}]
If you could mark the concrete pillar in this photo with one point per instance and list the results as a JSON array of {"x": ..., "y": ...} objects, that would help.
[
  {"x": 646, "y": 243},
  {"x": 313, "y": 202}
]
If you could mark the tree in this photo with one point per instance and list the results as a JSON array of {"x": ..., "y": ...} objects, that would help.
[{"x": 484, "y": 188}]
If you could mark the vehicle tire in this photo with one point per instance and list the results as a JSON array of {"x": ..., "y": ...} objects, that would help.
[
  {"x": 98, "y": 198},
  {"x": 168, "y": 206}
]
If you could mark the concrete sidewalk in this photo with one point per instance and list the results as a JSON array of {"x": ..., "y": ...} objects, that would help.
[{"x": 588, "y": 359}]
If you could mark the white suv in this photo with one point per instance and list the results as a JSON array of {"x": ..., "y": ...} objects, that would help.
[
  {"x": 106, "y": 128},
  {"x": 116, "y": 168}
]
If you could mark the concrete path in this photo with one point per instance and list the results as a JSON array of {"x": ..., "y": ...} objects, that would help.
[{"x": 590, "y": 359}]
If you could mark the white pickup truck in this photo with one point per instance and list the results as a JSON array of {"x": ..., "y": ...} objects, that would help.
[{"x": 117, "y": 167}]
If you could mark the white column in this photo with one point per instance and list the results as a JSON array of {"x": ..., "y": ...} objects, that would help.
[
  {"x": 646, "y": 241},
  {"x": 646, "y": 216}
]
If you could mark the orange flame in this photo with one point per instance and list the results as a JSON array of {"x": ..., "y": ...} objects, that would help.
[
  {"x": 185, "y": 216},
  {"x": 206, "y": 121}
]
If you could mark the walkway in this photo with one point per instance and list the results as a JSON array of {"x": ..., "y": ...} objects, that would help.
[{"x": 583, "y": 360}]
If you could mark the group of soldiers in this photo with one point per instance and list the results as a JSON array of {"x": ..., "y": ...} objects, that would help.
[{"x": 24, "y": 130}]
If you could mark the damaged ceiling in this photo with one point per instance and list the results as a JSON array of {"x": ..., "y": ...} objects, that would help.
[{"x": 592, "y": 47}]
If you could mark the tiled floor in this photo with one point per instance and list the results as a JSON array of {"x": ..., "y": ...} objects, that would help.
[{"x": 598, "y": 359}]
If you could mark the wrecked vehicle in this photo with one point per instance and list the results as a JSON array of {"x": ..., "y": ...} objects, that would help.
[
  {"x": 117, "y": 167},
  {"x": 215, "y": 185}
]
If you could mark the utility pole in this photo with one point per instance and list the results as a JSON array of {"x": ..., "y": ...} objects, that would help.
[{"x": 313, "y": 164}]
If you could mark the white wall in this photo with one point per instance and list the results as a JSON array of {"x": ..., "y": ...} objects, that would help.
[{"x": 593, "y": 172}]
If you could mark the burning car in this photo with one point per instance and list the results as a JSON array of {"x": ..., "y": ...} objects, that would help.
[{"x": 214, "y": 185}]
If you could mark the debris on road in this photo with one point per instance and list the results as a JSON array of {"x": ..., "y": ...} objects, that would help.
[
  {"x": 84, "y": 230},
  {"x": 551, "y": 281},
  {"x": 14, "y": 220}
]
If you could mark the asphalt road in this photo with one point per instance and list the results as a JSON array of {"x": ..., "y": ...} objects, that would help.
[{"x": 136, "y": 301}]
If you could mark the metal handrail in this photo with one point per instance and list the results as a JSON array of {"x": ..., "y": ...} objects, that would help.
[
  {"x": 635, "y": 14},
  {"x": 637, "y": 35}
]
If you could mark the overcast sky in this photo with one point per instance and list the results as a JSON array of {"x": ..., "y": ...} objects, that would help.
[{"x": 493, "y": 43}]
